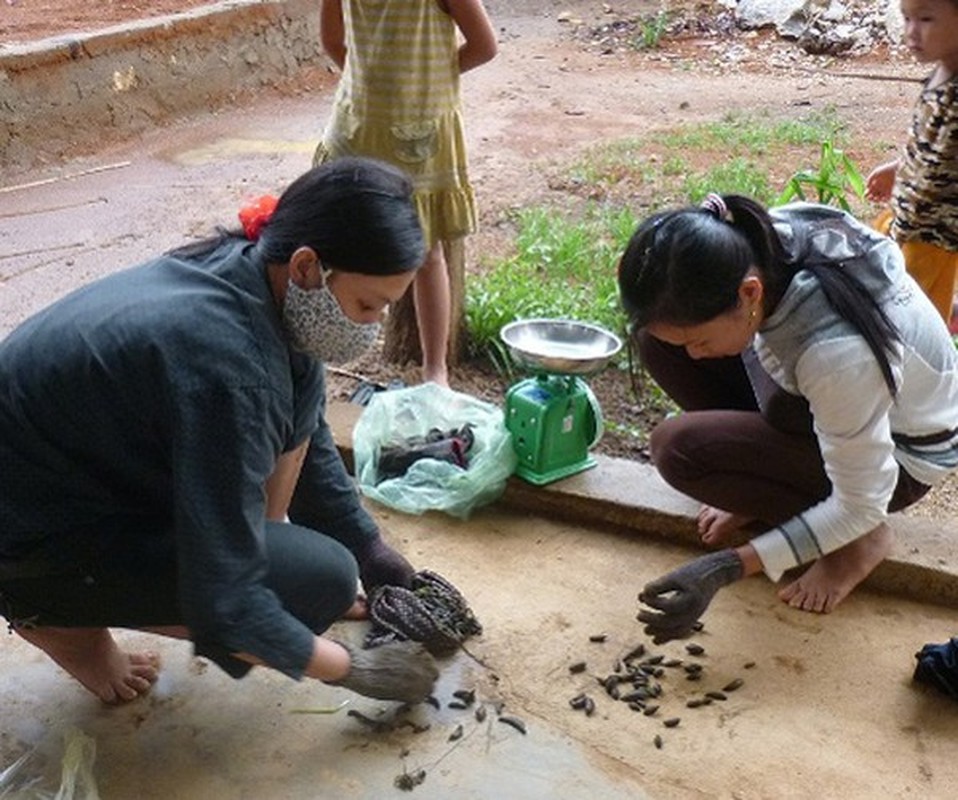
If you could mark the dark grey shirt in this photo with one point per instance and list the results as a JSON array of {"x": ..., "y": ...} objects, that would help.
[{"x": 167, "y": 392}]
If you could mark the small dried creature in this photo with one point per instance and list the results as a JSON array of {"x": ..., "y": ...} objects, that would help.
[
  {"x": 514, "y": 722},
  {"x": 408, "y": 781}
]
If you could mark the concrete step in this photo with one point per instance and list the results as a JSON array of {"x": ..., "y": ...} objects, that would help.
[
  {"x": 631, "y": 496},
  {"x": 61, "y": 96}
]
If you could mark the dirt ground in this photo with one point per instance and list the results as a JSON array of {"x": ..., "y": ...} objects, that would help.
[
  {"x": 570, "y": 43},
  {"x": 828, "y": 709},
  {"x": 28, "y": 20}
]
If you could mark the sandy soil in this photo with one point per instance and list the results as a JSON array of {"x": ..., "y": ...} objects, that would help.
[{"x": 27, "y": 20}]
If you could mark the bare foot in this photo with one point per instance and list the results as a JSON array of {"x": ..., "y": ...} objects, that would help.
[
  {"x": 831, "y": 579},
  {"x": 358, "y": 610},
  {"x": 717, "y": 526},
  {"x": 92, "y": 657}
]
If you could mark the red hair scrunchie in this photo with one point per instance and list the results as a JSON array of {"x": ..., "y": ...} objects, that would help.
[{"x": 256, "y": 214}]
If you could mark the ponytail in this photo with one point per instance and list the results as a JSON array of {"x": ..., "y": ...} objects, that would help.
[{"x": 684, "y": 267}]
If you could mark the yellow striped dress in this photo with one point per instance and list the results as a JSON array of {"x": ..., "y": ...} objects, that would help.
[{"x": 398, "y": 100}]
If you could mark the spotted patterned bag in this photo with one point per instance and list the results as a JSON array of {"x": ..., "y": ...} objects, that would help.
[{"x": 431, "y": 611}]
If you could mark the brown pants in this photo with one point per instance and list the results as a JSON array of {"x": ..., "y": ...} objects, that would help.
[{"x": 743, "y": 444}]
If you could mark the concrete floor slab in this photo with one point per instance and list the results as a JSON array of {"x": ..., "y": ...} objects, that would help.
[
  {"x": 200, "y": 735},
  {"x": 827, "y": 708}
]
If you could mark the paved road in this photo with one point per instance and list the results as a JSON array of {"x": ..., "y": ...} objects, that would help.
[{"x": 64, "y": 227}]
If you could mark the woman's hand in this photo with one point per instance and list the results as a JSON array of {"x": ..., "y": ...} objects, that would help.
[
  {"x": 681, "y": 597},
  {"x": 382, "y": 565},
  {"x": 403, "y": 671}
]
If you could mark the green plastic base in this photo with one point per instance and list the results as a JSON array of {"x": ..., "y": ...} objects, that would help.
[
  {"x": 542, "y": 478},
  {"x": 553, "y": 421}
]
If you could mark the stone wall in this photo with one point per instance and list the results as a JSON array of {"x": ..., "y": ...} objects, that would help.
[{"x": 61, "y": 95}]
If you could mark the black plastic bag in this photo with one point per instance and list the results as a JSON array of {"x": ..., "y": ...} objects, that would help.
[{"x": 938, "y": 666}]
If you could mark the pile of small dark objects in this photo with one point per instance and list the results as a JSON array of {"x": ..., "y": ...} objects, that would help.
[
  {"x": 462, "y": 700},
  {"x": 636, "y": 682}
]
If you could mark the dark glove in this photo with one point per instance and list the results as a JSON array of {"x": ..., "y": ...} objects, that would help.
[
  {"x": 401, "y": 671},
  {"x": 682, "y": 596},
  {"x": 381, "y": 565}
]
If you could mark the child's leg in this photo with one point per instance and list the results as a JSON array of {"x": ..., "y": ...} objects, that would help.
[
  {"x": 431, "y": 295},
  {"x": 935, "y": 270}
]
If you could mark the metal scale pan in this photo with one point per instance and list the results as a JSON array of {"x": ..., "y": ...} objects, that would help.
[{"x": 560, "y": 346}]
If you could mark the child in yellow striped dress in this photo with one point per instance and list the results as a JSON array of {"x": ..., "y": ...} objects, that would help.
[{"x": 398, "y": 100}]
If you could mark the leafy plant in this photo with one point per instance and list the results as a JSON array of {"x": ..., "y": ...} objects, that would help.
[
  {"x": 835, "y": 177},
  {"x": 651, "y": 30}
]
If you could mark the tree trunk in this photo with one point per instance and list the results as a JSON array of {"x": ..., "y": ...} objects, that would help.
[{"x": 401, "y": 340}]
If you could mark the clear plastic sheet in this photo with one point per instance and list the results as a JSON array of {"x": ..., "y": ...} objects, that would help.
[{"x": 22, "y": 778}]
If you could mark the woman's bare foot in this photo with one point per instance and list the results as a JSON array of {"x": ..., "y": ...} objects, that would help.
[
  {"x": 717, "y": 526},
  {"x": 358, "y": 610},
  {"x": 92, "y": 657},
  {"x": 831, "y": 579}
]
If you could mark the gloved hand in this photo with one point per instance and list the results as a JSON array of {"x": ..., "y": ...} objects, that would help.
[
  {"x": 381, "y": 565},
  {"x": 682, "y": 596},
  {"x": 403, "y": 671}
]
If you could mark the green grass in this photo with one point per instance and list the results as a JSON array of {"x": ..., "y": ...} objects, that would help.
[
  {"x": 738, "y": 176},
  {"x": 748, "y": 158},
  {"x": 651, "y": 30},
  {"x": 564, "y": 261},
  {"x": 562, "y": 267},
  {"x": 738, "y": 133}
]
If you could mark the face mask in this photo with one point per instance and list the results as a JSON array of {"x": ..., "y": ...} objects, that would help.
[{"x": 318, "y": 326}]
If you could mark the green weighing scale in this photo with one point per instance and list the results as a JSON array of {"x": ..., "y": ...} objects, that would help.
[{"x": 553, "y": 417}]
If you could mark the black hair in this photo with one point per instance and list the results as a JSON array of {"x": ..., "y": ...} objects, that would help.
[
  {"x": 684, "y": 267},
  {"x": 356, "y": 213}
]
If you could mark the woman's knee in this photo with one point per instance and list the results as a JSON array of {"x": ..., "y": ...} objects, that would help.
[
  {"x": 343, "y": 577},
  {"x": 315, "y": 576},
  {"x": 670, "y": 446}
]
